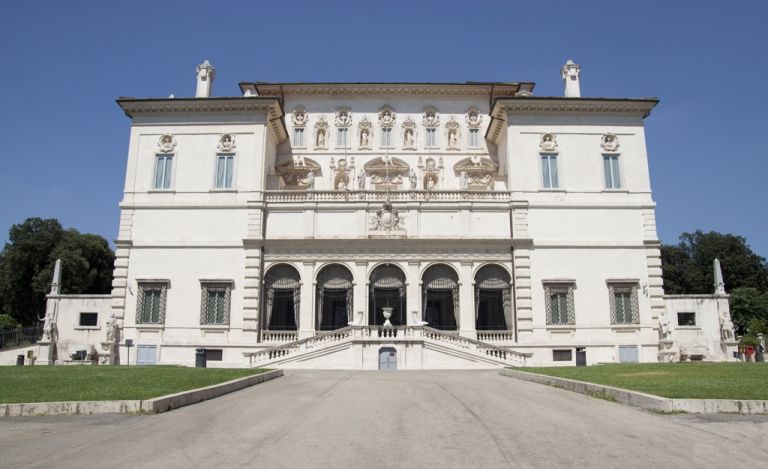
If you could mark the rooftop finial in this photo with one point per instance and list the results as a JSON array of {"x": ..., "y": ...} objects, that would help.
[
  {"x": 570, "y": 74},
  {"x": 205, "y": 76}
]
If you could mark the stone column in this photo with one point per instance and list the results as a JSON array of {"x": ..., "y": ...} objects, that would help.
[
  {"x": 467, "y": 302},
  {"x": 360, "y": 299},
  {"x": 413, "y": 292},
  {"x": 307, "y": 306}
]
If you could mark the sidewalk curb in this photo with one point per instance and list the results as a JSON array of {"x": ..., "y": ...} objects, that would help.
[
  {"x": 154, "y": 405},
  {"x": 645, "y": 401}
]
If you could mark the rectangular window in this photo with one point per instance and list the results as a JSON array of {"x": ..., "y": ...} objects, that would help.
[
  {"x": 150, "y": 304},
  {"x": 431, "y": 137},
  {"x": 298, "y": 137},
  {"x": 562, "y": 355},
  {"x": 686, "y": 319},
  {"x": 611, "y": 167},
  {"x": 549, "y": 172},
  {"x": 558, "y": 301},
  {"x": 214, "y": 304},
  {"x": 474, "y": 138},
  {"x": 89, "y": 319},
  {"x": 341, "y": 138},
  {"x": 386, "y": 137},
  {"x": 163, "y": 171},
  {"x": 624, "y": 303},
  {"x": 214, "y": 355},
  {"x": 224, "y": 165}
]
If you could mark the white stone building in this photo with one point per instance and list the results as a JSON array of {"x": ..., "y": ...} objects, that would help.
[{"x": 277, "y": 227}]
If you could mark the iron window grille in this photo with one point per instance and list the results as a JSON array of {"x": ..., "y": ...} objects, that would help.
[
  {"x": 564, "y": 355},
  {"x": 151, "y": 303},
  {"x": 624, "y": 303},
  {"x": 89, "y": 319},
  {"x": 558, "y": 300},
  {"x": 214, "y": 304}
]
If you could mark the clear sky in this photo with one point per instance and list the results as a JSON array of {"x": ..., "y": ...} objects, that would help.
[{"x": 64, "y": 141}]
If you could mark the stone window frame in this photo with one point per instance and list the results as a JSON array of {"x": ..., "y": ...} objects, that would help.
[
  {"x": 630, "y": 287},
  {"x": 560, "y": 286},
  {"x": 143, "y": 287},
  {"x": 207, "y": 286}
]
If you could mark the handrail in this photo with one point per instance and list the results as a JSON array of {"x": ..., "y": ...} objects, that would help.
[{"x": 477, "y": 343}]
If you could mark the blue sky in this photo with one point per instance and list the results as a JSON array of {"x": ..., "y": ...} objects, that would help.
[{"x": 63, "y": 140}]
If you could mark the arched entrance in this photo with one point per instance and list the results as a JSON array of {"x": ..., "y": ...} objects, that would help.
[
  {"x": 334, "y": 297},
  {"x": 386, "y": 289},
  {"x": 493, "y": 299},
  {"x": 283, "y": 289},
  {"x": 440, "y": 297}
]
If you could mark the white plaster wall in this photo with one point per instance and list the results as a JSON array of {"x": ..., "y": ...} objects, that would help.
[
  {"x": 72, "y": 337},
  {"x": 706, "y": 332}
]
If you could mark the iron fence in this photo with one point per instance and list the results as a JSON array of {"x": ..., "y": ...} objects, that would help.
[{"x": 20, "y": 337}]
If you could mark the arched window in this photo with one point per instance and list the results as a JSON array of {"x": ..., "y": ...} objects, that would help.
[
  {"x": 493, "y": 299},
  {"x": 334, "y": 297},
  {"x": 386, "y": 290},
  {"x": 282, "y": 284},
  {"x": 440, "y": 294}
]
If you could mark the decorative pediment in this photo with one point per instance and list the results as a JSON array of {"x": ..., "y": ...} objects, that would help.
[
  {"x": 226, "y": 143},
  {"x": 430, "y": 117},
  {"x": 453, "y": 133},
  {"x": 343, "y": 117},
  {"x": 474, "y": 118},
  {"x": 166, "y": 143},
  {"x": 609, "y": 142},
  {"x": 386, "y": 116},
  {"x": 409, "y": 134},
  {"x": 476, "y": 173},
  {"x": 364, "y": 134},
  {"x": 321, "y": 134},
  {"x": 548, "y": 142},
  {"x": 298, "y": 172},
  {"x": 386, "y": 172},
  {"x": 299, "y": 116}
]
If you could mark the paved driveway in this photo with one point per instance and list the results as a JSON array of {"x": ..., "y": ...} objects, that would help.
[{"x": 437, "y": 419}]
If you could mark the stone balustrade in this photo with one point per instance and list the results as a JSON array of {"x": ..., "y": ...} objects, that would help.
[
  {"x": 496, "y": 336},
  {"x": 380, "y": 196},
  {"x": 279, "y": 336}
]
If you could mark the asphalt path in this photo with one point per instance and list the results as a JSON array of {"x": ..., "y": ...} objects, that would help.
[{"x": 404, "y": 419}]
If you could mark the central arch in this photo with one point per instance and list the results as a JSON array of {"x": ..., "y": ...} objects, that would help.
[
  {"x": 440, "y": 294},
  {"x": 334, "y": 297},
  {"x": 283, "y": 286},
  {"x": 493, "y": 299},
  {"x": 386, "y": 289}
]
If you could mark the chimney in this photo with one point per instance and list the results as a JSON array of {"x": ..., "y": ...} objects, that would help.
[
  {"x": 205, "y": 75},
  {"x": 570, "y": 73}
]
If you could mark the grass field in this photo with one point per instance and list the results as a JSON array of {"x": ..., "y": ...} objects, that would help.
[
  {"x": 105, "y": 383},
  {"x": 675, "y": 380}
]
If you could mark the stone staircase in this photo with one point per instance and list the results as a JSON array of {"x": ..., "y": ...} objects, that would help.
[{"x": 448, "y": 343}]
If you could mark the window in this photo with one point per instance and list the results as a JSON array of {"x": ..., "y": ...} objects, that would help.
[
  {"x": 150, "y": 304},
  {"x": 549, "y": 172},
  {"x": 386, "y": 137},
  {"x": 163, "y": 171},
  {"x": 89, "y": 319},
  {"x": 558, "y": 301},
  {"x": 224, "y": 165},
  {"x": 624, "y": 306},
  {"x": 431, "y": 136},
  {"x": 214, "y": 355},
  {"x": 214, "y": 304},
  {"x": 686, "y": 319},
  {"x": 612, "y": 177},
  {"x": 341, "y": 138},
  {"x": 298, "y": 137},
  {"x": 474, "y": 138},
  {"x": 562, "y": 355}
]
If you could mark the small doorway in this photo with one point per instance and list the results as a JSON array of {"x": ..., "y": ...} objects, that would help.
[
  {"x": 581, "y": 356},
  {"x": 387, "y": 358},
  {"x": 146, "y": 354},
  {"x": 628, "y": 354}
]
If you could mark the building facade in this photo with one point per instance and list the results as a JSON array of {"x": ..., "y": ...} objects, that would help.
[{"x": 382, "y": 225}]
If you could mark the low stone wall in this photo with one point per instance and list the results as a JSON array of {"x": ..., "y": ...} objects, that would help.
[
  {"x": 645, "y": 401},
  {"x": 155, "y": 405}
]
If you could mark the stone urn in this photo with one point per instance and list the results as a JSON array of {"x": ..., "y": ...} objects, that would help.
[{"x": 387, "y": 312}]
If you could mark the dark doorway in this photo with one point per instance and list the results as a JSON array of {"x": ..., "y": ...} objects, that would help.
[
  {"x": 381, "y": 297},
  {"x": 581, "y": 356},
  {"x": 334, "y": 313},
  {"x": 283, "y": 317},
  {"x": 439, "y": 312},
  {"x": 490, "y": 310}
]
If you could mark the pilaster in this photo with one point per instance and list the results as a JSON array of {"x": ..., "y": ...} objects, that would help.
[
  {"x": 307, "y": 305},
  {"x": 360, "y": 297},
  {"x": 467, "y": 302},
  {"x": 413, "y": 309}
]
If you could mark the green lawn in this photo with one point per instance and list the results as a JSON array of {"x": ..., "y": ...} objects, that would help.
[
  {"x": 675, "y": 380},
  {"x": 105, "y": 383}
]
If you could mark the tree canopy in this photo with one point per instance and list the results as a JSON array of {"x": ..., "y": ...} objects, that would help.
[
  {"x": 687, "y": 268},
  {"x": 27, "y": 260}
]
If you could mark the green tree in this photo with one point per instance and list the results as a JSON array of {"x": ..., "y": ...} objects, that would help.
[
  {"x": 749, "y": 309},
  {"x": 27, "y": 260},
  {"x": 687, "y": 266}
]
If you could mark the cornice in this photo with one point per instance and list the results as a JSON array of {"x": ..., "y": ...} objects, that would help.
[{"x": 497, "y": 90}]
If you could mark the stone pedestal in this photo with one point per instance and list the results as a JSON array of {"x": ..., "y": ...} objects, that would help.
[
  {"x": 46, "y": 353},
  {"x": 107, "y": 353}
]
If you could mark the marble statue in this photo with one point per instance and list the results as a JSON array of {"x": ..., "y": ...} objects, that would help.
[
  {"x": 663, "y": 326},
  {"x": 321, "y": 138},
  {"x": 364, "y": 138},
  {"x": 453, "y": 140},
  {"x": 413, "y": 178},
  {"x": 361, "y": 179},
  {"x": 408, "y": 138},
  {"x": 298, "y": 160},
  {"x": 311, "y": 180},
  {"x": 463, "y": 179}
]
